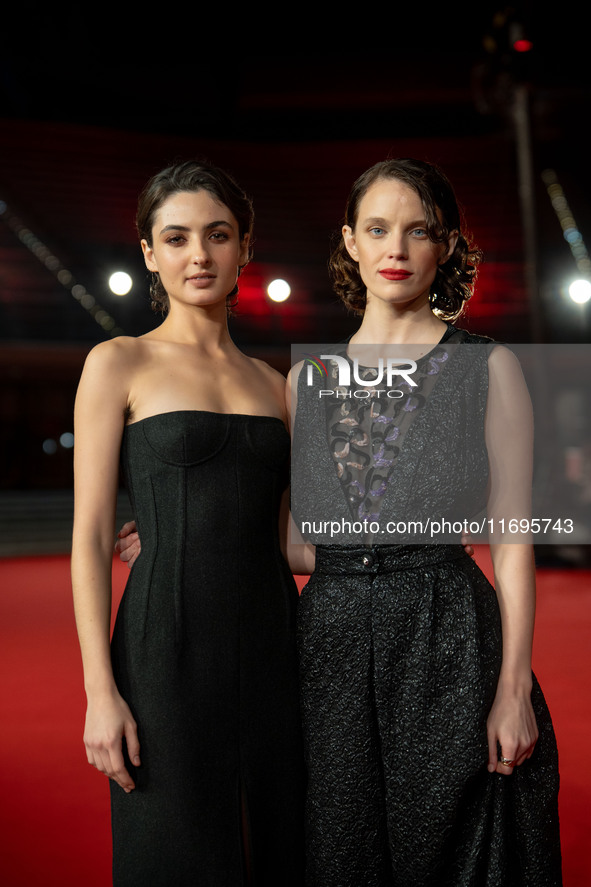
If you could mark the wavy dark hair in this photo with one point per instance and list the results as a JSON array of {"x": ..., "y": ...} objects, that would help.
[
  {"x": 455, "y": 279},
  {"x": 192, "y": 175}
]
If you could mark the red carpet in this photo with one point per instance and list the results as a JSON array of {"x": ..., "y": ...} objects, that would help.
[{"x": 54, "y": 813}]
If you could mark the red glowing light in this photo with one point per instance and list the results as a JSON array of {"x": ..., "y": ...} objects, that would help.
[{"x": 523, "y": 46}]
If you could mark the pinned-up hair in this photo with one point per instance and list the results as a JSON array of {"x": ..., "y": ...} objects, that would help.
[
  {"x": 191, "y": 175},
  {"x": 455, "y": 279}
]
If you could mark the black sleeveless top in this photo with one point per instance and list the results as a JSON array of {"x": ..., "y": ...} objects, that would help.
[{"x": 362, "y": 457}]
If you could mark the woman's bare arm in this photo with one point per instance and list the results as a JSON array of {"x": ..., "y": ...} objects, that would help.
[
  {"x": 509, "y": 438},
  {"x": 98, "y": 427},
  {"x": 300, "y": 555}
]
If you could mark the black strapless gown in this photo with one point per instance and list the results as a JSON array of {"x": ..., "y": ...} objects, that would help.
[{"x": 204, "y": 653}]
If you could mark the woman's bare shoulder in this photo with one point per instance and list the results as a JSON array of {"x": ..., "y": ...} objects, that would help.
[
  {"x": 271, "y": 387},
  {"x": 504, "y": 367},
  {"x": 115, "y": 355},
  {"x": 270, "y": 374},
  {"x": 294, "y": 373}
]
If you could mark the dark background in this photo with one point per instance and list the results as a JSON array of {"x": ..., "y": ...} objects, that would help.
[{"x": 296, "y": 103}]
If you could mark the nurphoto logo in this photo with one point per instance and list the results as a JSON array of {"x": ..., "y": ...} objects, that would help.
[
  {"x": 395, "y": 366},
  {"x": 386, "y": 371}
]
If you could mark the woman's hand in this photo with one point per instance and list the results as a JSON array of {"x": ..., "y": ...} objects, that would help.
[
  {"x": 128, "y": 545},
  {"x": 512, "y": 724},
  {"x": 467, "y": 543},
  {"x": 108, "y": 721}
]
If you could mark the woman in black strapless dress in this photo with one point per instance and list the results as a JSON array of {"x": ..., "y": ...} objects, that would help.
[
  {"x": 194, "y": 714},
  {"x": 431, "y": 755}
]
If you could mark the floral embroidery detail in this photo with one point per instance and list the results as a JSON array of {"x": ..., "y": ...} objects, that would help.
[
  {"x": 434, "y": 362},
  {"x": 366, "y": 431}
]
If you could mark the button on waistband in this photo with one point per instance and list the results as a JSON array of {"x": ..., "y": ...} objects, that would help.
[{"x": 342, "y": 561}]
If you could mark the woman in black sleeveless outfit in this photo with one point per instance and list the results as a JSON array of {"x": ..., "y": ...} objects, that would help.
[
  {"x": 431, "y": 755},
  {"x": 194, "y": 712}
]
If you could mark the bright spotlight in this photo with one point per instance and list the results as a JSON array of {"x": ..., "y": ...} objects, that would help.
[
  {"x": 279, "y": 290},
  {"x": 120, "y": 283},
  {"x": 580, "y": 291},
  {"x": 523, "y": 45}
]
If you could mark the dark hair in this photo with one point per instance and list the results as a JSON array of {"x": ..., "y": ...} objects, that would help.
[
  {"x": 454, "y": 281},
  {"x": 191, "y": 175}
]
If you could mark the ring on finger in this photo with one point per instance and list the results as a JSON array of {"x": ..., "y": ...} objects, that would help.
[{"x": 507, "y": 762}]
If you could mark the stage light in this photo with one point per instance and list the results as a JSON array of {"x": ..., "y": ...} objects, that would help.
[
  {"x": 120, "y": 283},
  {"x": 65, "y": 277},
  {"x": 67, "y": 440},
  {"x": 570, "y": 231},
  {"x": 523, "y": 45},
  {"x": 580, "y": 291},
  {"x": 279, "y": 290},
  {"x": 49, "y": 446}
]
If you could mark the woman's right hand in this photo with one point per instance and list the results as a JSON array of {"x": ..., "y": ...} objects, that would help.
[
  {"x": 467, "y": 544},
  {"x": 108, "y": 722},
  {"x": 128, "y": 545}
]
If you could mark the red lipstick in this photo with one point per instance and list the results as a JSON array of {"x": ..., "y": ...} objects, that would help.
[{"x": 395, "y": 274}]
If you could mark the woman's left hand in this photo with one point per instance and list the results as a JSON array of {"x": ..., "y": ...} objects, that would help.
[
  {"x": 128, "y": 545},
  {"x": 512, "y": 724}
]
